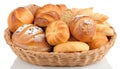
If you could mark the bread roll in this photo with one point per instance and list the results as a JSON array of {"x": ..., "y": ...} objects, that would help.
[
  {"x": 99, "y": 40},
  {"x": 31, "y": 37},
  {"x": 48, "y": 13},
  {"x": 72, "y": 46},
  {"x": 57, "y": 32},
  {"x": 19, "y": 17},
  {"x": 83, "y": 28}
]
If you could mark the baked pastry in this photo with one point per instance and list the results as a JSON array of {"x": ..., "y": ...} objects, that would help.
[
  {"x": 99, "y": 18},
  {"x": 72, "y": 46},
  {"x": 83, "y": 11},
  {"x": 19, "y": 17},
  {"x": 83, "y": 28},
  {"x": 47, "y": 14},
  {"x": 62, "y": 7},
  {"x": 57, "y": 32},
  {"x": 31, "y": 37},
  {"x": 67, "y": 16},
  {"x": 99, "y": 40},
  {"x": 45, "y": 18},
  {"x": 33, "y": 8},
  {"x": 105, "y": 28}
]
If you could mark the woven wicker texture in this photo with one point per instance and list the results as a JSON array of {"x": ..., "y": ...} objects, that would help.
[{"x": 59, "y": 59}]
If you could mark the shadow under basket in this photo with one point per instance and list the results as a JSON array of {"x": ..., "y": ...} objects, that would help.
[{"x": 60, "y": 59}]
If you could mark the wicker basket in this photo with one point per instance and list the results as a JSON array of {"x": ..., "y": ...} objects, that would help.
[{"x": 59, "y": 59}]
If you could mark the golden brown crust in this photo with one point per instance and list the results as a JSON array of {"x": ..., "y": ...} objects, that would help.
[
  {"x": 48, "y": 13},
  {"x": 71, "y": 46},
  {"x": 18, "y": 17},
  {"x": 83, "y": 28},
  {"x": 47, "y": 8},
  {"x": 46, "y": 18},
  {"x": 30, "y": 37},
  {"x": 71, "y": 54},
  {"x": 99, "y": 40},
  {"x": 33, "y": 8},
  {"x": 105, "y": 28},
  {"x": 62, "y": 7},
  {"x": 57, "y": 32}
]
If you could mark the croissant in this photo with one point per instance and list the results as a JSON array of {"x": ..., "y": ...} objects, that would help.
[
  {"x": 99, "y": 40},
  {"x": 57, "y": 32},
  {"x": 47, "y": 14},
  {"x": 31, "y": 37},
  {"x": 71, "y": 46},
  {"x": 18, "y": 17},
  {"x": 105, "y": 29},
  {"x": 85, "y": 12},
  {"x": 83, "y": 28},
  {"x": 99, "y": 18}
]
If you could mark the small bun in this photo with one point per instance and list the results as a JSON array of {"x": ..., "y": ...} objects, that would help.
[
  {"x": 30, "y": 37},
  {"x": 83, "y": 28},
  {"x": 19, "y": 17},
  {"x": 72, "y": 46},
  {"x": 57, "y": 32}
]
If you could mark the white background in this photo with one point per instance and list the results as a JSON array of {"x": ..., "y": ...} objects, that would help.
[{"x": 8, "y": 59}]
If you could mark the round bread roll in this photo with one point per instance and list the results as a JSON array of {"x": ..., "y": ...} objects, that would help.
[
  {"x": 57, "y": 32},
  {"x": 31, "y": 37},
  {"x": 48, "y": 13},
  {"x": 83, "y": 28},
  {"x": 99, "y": 40},
  {"x": 72, "y": 46},
  {"x": 19, "y": 17}
]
